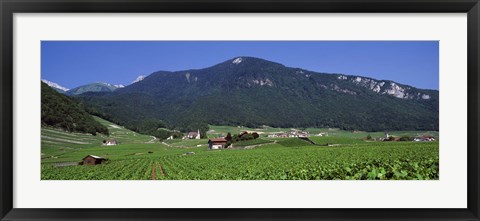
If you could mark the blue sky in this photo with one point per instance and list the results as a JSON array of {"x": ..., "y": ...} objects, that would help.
[{"x": 75, "y": 63}]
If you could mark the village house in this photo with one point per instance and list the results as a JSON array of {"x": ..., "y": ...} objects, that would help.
[
  {"x": 217, "y": 143},
  {"x": 385, "y": 138},
  {"x": 193, "y": 135},
  {"x": 292, "y": 133},
  {"x": 279, "y": 135},
  {"x": 272, "y": 135},
  {"x": 303, "y": 134},
  {"x": 110, "y": 142},
  {"x": 424, "y": 139},
  {"x": 92, "y": 160}
]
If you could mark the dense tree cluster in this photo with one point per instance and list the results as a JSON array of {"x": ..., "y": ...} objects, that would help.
[
  {"x": 63, "y": 112},
  {"x": 142, "y": 116},
  {"x": 240, "y": 137}
]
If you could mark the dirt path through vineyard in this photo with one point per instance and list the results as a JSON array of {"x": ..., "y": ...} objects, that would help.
[
  {"x": 154, "y": 172},
  {"x": 161, "y": 169}
]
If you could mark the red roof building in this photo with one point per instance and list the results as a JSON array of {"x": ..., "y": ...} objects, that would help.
[{"x": 217, "y": 143}]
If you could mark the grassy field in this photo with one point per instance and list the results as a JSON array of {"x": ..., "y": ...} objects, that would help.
[
  {"x": 258, "y": 141},
  {"x": 363, "y": 134},
  {"x": 340, "y": 155},
  {"x": 187, "y": 143}
]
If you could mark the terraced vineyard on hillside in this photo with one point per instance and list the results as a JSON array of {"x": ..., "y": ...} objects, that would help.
[{"x": 56, "y": 142}]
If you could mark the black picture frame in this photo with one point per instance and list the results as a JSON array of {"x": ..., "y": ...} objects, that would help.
[{"x": 9, "y": 7}]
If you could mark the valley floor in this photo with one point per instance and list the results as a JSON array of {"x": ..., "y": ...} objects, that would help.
[{"x": 136, "y": 157}]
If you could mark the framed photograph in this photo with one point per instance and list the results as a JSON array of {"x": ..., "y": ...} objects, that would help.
[{"x": 189, "y": 110}]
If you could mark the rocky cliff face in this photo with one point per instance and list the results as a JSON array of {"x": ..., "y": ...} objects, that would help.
[{"x": 386, "y": 87}]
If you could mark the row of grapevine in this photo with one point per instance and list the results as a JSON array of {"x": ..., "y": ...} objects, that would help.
[{"x": 375, "y": 161}]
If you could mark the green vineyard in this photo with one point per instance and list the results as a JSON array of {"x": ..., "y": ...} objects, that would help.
[
  {"x": 359, "y": 161},
  {"x": 342, "y": 155}
]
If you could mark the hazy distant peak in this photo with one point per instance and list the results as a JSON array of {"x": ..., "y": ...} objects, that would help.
[
  {"x": 94, "y": 87},
  {"x": 112, "y": 85},
  {"x": 54, "y": 85}
]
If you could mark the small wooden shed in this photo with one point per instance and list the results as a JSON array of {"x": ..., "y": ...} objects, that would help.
[{"x": 92, "y": 160}]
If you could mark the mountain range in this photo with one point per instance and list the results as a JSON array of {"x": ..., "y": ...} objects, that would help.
[
  {"x": 250, "y": 91},
  {"x": 94, "y": 87}
]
